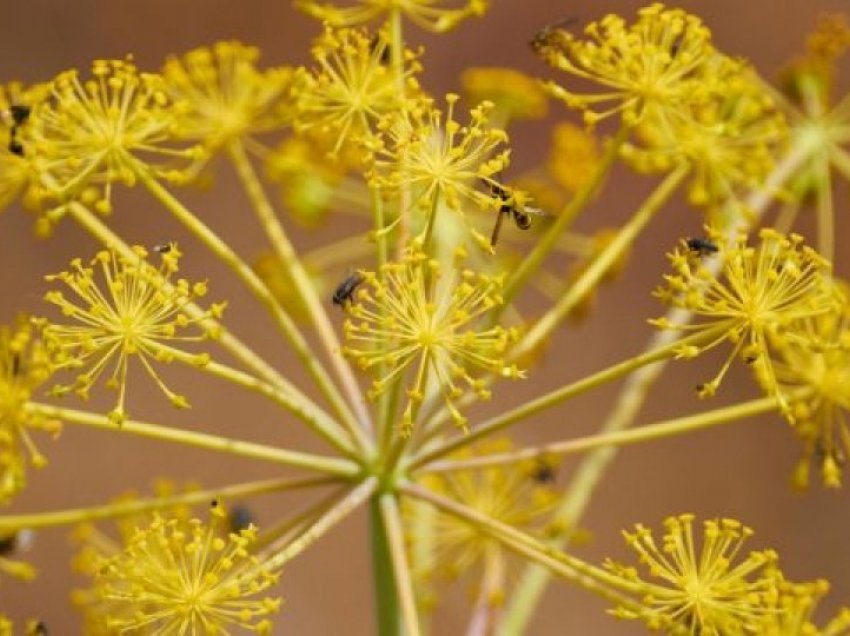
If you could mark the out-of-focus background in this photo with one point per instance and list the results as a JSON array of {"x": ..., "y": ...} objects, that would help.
[{"x": 739, "y": 471}]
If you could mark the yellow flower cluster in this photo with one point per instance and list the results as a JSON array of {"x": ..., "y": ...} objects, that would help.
[
  {"x": 429, "y": 14},
  {"x": 179, "y": 576},
  {"x": 136, "y": 312},
  {"x": 406, "y": 316},
  {"x": 756, "y": 297}
]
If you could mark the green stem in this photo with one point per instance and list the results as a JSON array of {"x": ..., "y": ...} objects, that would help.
[
  {"x": 284, "y": 321},
  {"x": 389, "y": 543},
  {"x": 128, "y": 508},
  {"x": 600, "y": 266},
  {"x": 534, "y": 260},
  {"x": 649, "y": 432},
  {"x": 239, "y": 448},
  {"x": 292, "y": 399},
  {"x": 557, "y": 396},
  {"x": 294, "y": 268}
]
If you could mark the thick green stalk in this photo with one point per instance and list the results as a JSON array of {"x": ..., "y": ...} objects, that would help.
[{"x": 388, "y": 609}]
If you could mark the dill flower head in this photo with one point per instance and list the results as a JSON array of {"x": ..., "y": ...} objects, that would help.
[
  {"x": 106, "y": 130},
  {"x": 178, "y": 576},
  {"x": 433, "y": 15},
  {"x": 510, "y": 494},
  {"x": 814, "y": 373},
  {"x": 514, "y": 94},
  {"x": 353, "y": 86},
  {"x": 759, "y": 295},
  {"x": 223, "y": 96},
  {"x": 650, "y": 66},
  {"x": 729, "y": 137},
  {"x": 408, "y": 317},
  {"x": 712, "y": 590},
  {"x": 437, "y": 156},
  {"x": 135, "y": 312},
  {"x": 26, "y": 363}
]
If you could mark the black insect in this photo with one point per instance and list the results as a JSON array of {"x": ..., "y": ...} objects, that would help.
[
  {"x": 547, "y": 36},
  {"x": 544, "y": 472},
  {"x": 521, "y": 214},
  {"x": 214, "y": 503},
  {"x": 701, "y": 246},
  {"x": 163, "y": 248},
  {"x": 20, "y": 114},
  {"x": 19, "y": 541},
  {"x": 37, "y": 628},
  {"x": 344, "y": 293},
  {"x": 240, "y": 518}
]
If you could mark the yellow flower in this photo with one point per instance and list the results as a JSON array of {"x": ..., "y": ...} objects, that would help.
[
  {"x": 178, "y": 576},
  {"x": 106, "y": 130},
  {"x": 514, "y": 94},
  {"x": 730, "y": 137},
  {"x": 270, "y": 268},
  {"x": 709, "y": 590},
  {"x": 428, "y": 14},
  {"x": 407, "y": 317},
  {"x": 437, "y": 156},
  {"x": 651, "y": 66},
  {"x": 353, "y": 86},
  {"x": 761, "y": 294},
  {"x": 814, "y": 373},
  {"x": 136, "y": 312},
  {"x": 573, "y": 157},
  {"x": 509, "y": 494},
  {"x": 26, "y": 363},
  {"x": 223, "y": 96}
]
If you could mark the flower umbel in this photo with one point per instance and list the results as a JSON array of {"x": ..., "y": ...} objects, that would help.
[
  {"x": 698, "y": 591},
  {"x": 177, "y": 576},
  {"x": 407, "y": 316},
  {"x": 26, "y": 363},
  {"x": 353, "y": 86},
  {"x": 761, "y": 294},
  {"x": 437, "y": 156},
  {"x": 428, "y": 14},
  {"x": 223, "y": 96},
  {"x": 105, "y": 130},
  {"x": 647, "y": 67},
  {"x": 137, "y": 312}
]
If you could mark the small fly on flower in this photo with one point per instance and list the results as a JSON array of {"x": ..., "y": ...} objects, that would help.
[
  {"x": 163, "y": 248},
  {"x": 509, "y": 206},
  {"x": 18, "y": 114},
  {"x": 701, "y": 246},
  {"x": 545, "y": 37},
  {"x": 544, "y": 472},
  {"x": 344, "y": 293}
]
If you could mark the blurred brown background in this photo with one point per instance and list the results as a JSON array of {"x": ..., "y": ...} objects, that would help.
[{"x": 740, "y": 471}]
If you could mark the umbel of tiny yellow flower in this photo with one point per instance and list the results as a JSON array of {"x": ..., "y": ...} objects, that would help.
[
  {"x": 437, "y": 156},
  {"x": 135, "y": 312},
  {"x": 178, "y": 576},
  {"x": 710, "y": 589},
  {"x": 759, "y": 295},
  {"x": 353, "y": 86},
  {"x": 573, "y": 157},
  {"x": 107, "y": 129},
  {"x": 223, "y": 96},
  {"x": 408, "y": 317},
  {"x": 26, "y": 363},
  {"x": 510, "y": 494},
  {"x": 514, "y": 94},
  {"x": 814, "y": 373},
  {"x": 433, "y": 15},
  {"x": 651, "y": 66},
  {"x": 729, "y": 136}
]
